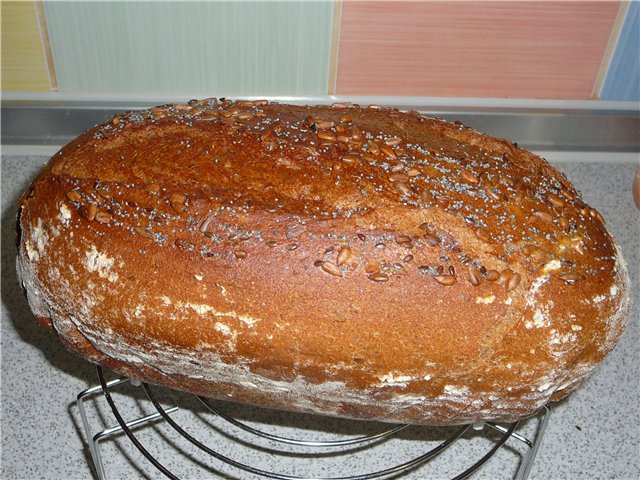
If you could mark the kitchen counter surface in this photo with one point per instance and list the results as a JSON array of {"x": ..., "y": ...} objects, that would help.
[{"x": 595, "y": 433}]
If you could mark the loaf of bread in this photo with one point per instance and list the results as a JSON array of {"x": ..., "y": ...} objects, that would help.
[{"x": 356, "y": 262}]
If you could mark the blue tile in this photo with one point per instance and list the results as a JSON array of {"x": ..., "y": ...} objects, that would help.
[{"x": 623, "y": 77}]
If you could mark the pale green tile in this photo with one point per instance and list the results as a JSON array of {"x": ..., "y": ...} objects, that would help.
[{"x": 208, "y": 48}]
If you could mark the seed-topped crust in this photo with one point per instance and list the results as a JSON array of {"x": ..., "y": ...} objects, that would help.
[{"x": 280, "y": 255}]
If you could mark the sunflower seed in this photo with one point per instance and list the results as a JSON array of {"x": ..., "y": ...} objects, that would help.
[
  {"x": 407, "y": 258},
  {"x": 204, "y": 226},
  {"x": 597, "y": 215},
  {"x": 328, "y": 136},
  {"x": 496, "y": 195},
  {"x": 492, "y": 275},
  {"x": 514, "y": 281},
  {"x": 103, "y": 192},
  {"x": 393, "y": 141},
  {"x": 177, "y": 198},
  {"x": 89, "y": 212},
  {"x": 332, "y": 269},
  {"x": 388, "y": 151},
  {"x": 568, "y": 194},
  {"x": 103, "y": 217},
  {"x": 318, "y": 263},
  {"x": 240, "y": 254},
  {"x": 144, "y": 233},
  {"x": 505, "y": 277},
  {"x": 543, "y": 216},
  {"x": 348, "y": 158},
  {"x": 413, "y": 172},
  {"x": 571, "y": 277},
  {"x": 344, "y": 256},
  {"x": 295, "y": 230},
  {"x": 398, "y": 177},
  {"x": 474, "y": 276},
  {"x": 402, "y": 187},
  {"x": 564, "y": 223},
  {"x": 346, "y": 119},
  {"x": 402, "y": 239},
  {"x": 469, "y": 177},
  {"x": 431, "y": 240},
  {"x": 340, "y": 104},
  {"x": 483, "y": 234},
  {"x": 447, "y": 280},
  {"x": 555, "y": 200},
  {"x": 324, "y": 124},
  {"x": 536, "y": 253},
  {"x": 373, "y": 147},
  {"x": 372, "y": 266},
  {"x": 292, "y": 246},
  {"x": 441, "y": 200},
  {"x": 361, "y": 236},
  {"x": 74, "y": 196},
  {"x": 379, "y": 277},
  {"x": 271, "y": 243},
  {"x": 178, "y": 207},
  {"x": 267, "y": 136}
]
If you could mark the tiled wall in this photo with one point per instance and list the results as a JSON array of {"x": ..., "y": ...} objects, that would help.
[
  {"x": 513, "y": 49},
  {"x": 24, "y": 63},
  {"x": 474, "y": 49},
  {"x": 240, "y": 48}
]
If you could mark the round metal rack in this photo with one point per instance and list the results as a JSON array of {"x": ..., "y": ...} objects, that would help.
[{"x": 130, "y": 423}]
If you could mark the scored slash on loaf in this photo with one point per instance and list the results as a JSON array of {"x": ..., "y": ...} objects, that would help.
[{"x": 357, "y": 262}]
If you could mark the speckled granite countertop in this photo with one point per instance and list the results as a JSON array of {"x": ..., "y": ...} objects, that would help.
[{"x": 595, "y": 433}]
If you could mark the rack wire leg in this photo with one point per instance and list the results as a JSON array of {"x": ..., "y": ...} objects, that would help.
[
  {"x": 91, "y": 439},
  {"x": 527, "y": 461},
  {"x": 94, "y": 439}
]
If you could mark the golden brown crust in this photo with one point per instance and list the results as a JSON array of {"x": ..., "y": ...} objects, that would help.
[{"x": 350, "y": 261}]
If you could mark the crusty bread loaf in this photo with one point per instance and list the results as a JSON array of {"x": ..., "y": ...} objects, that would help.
[{"x": 356, "y": 262}]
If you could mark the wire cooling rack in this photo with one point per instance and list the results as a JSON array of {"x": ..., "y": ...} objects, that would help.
[{"x": 191, "y": 437}]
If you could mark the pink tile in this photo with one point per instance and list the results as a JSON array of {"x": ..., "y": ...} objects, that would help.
[{"x": 475, "y": 49}]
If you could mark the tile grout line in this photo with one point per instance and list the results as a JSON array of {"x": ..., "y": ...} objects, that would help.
[
  {"x": 610, "y": 49},
  {"x": 46, "y": 45},
  {"x": 335, "y": 42}
]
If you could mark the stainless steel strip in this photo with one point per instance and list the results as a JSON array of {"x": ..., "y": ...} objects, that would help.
[{"x": 612, "y": 130}]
